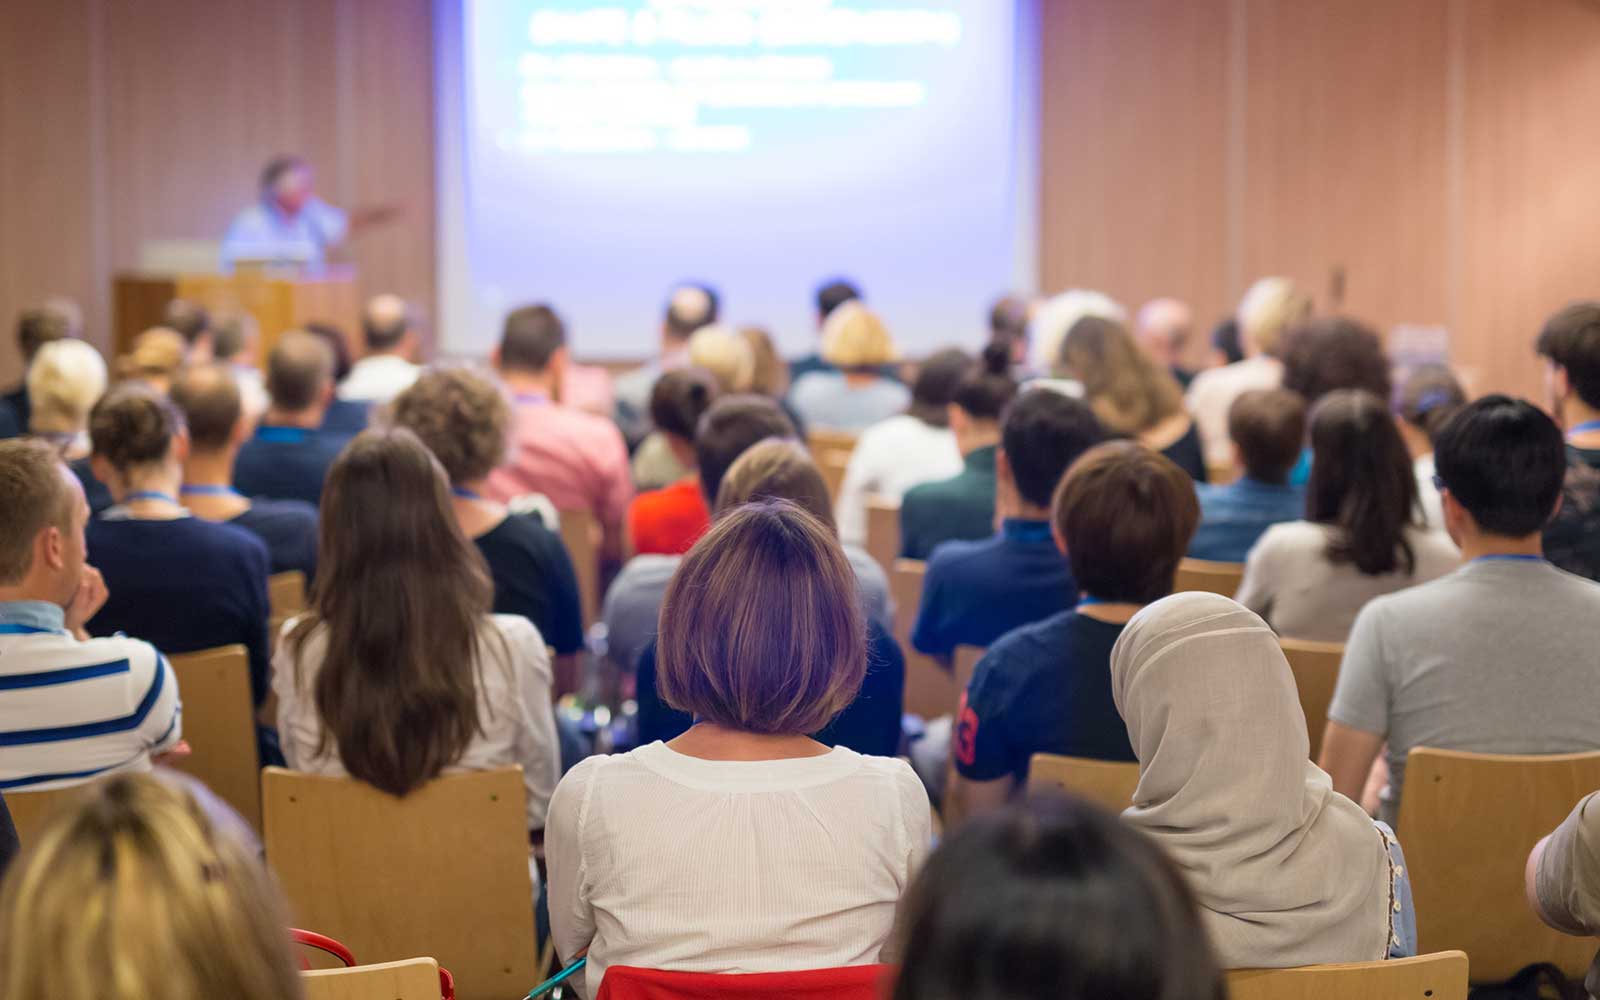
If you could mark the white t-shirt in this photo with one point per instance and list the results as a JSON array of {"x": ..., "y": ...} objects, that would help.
[
  {"x": 379, "y": 378},
  {"x": 1289, "y": 581},
  {"x": 666, "y": 861},
  {"x": 1211, "y": 396},
  {"x": 891, "y": 457}
]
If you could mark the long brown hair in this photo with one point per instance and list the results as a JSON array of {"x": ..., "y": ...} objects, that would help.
[
  {"x": 401, "y": 594},
  {"x": 1362, "y": 483},
  {"x": 1126, "y": 390}
]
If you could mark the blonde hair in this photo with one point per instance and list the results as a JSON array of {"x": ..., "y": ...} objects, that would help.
[
  {"x": 777, "y": 469},
  {"x": 725, "y": 355},
  {"x": 64, "y": 381},
  {"x": 771, "y": 374},
  {"x": 1127, "y": 391},
  {"x": 157, "y": 353},
  {"x": 854, "y": 338},
  {"x": 1268, "y": 308},
  {"x": 132, "y": 892}
]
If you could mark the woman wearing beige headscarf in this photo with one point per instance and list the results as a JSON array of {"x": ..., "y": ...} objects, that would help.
[{"x": 1287, "y": 871}]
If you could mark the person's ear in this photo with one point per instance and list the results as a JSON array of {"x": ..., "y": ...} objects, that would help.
[
  {"x": 51, "y": 548},
  {"x": 1002, "y": 468},
  {"x": 1055, "y": 533},
  {"x": 957, "y": 418},
  {"x": 180, "y": 446},
  {"x": 242, "y": 430},
  {"x": 103, "y": 469}
]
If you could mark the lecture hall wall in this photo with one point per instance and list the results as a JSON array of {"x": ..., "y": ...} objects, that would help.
[{"x": 1441, "y": 155}]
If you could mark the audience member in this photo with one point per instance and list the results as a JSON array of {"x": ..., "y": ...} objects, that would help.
[
  {"x": 1563, "y": 878},
  {"x": 343, "y": 416},
  {"x": 65, "y": 380},
  {"x": 975, "y": 592},
  {"x": 1334, "y": 352},
  {"x": 1429, "y": 397},
  {"x": 1570, "y": 347},
  {"x": 1362, "y": 534},
  {"x": 289, "y": 455},
  {"x": 388, "y": 368},
  {"x": 857, "y": 394},
  {"x": 830, "y": 295},
  {"x": 961, "y": 508},
  {"x": 1287, "y": 870},
  {"x": 178, "y": 581},
  {"x": 132, "y": 890},
  {"x": 213, "y": 409},
  {"x": 35, "y": 328},
  {"x": 1131, "y": 395},
  {"x": 1225, "y": 343},
  {"x": 1495, "y": 658},
  {"x": 771, "y": 378},
  {"x": 235, "y": 342},
  {"x": 398, "y": 672},
  {"x": 192, "y": 322},
  {"x": 576, "y": 459},
  {"x": 1008, "y": 328},
  {"x": 1164, "y": 328},
  {"x": 1268, "y": 308},
  {"x": 1268, "y": 431},
  {"x": 463, "y": 418},
  {"x": 1123, "y": 515},
  {"x": 690, "y": 306},
  {"x": 668, "y": 521},
  {"x": 1055, "y": 316},
  {"x": 778, "y": 469},
  {"x": 910, "y": 448},
  {"x": 786, "y": 855},
  {"x": 1012, "y": 907},
  {"x": 155, "y": 358},
  {"x": 715, "y": 351},
  {"x": 56, "y": 679}
]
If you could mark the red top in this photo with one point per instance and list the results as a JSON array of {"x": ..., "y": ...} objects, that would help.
[
  {"x": 859, "y": 982},
  {"x": 670, "y": 520}
]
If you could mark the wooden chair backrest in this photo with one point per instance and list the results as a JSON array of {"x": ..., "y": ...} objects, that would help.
[
  {"x": 30, "y": 810},
  {"x": 286, "y": 597},
  {"x": 832, "y": 463},
  {"x": 442, "y": 872},
  {"x": 1440, "y": 976},
  {"x": 930, "y": 687},
  {"x": 219, "y": 724},
  {"x": 1107, "y": 783},
  {"x": 580, "y": 531},
  {"x": 966, "y": 663},
  {"x": 1467, "y": 823},
  {"x": 1315, "y": 666},
  {"x": 883, "y": 531},
  {"x": 412, "y": 979},
  {"x": 1208, "y": 577},
  {"x": 820, "y": 440}
]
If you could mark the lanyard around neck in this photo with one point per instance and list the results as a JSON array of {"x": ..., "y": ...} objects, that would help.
[
  {"x": 150, "y": 495},
  {"x": 207, "y": 490}
]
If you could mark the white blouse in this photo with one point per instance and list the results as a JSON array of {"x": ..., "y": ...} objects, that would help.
[
  {"x": 514, "y": 709},
  {"x": 666, "y": 861},
  {"x": 889, "y": 458}
]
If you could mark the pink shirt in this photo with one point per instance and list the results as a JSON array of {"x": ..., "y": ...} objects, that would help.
[{"x": 576, "y": 459}]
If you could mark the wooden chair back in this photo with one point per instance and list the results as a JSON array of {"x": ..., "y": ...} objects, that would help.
[
  {"x": 1208, "y": 577},
  {"x": 219, "y": 724},
  {"x": 930, "y": 687},
  {"x": 412, "y": 979},
  {"x": 883, "y": 531},
  {"x": 820, "y": 440},
  {"x": 1467, "y": 822},
  {"x": 443, "y": 871},
  {"x": 30, "y": 810},
  {"x": 832, "y": 463},
  {"x": 1107, "y": 783},
  {"x": 1440, "y": 976},
  {"x": 580, "y": 531},
  {"x": 286, "y": 597},
  {"x": 1315, "y": 666}
]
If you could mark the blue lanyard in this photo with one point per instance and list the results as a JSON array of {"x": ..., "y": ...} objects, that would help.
[
  {"x": 464, "y": 493},
  {"x": 24, "y": 630},
  {"x": 1085, "y": 601},
  {"x": 207, "y": 490},
  {"x": 1584, "y": 428},
  {"x": 1509, "y": 557},
  {"x": 282, "y": 435},
  {"x": 150, "y": 495}
]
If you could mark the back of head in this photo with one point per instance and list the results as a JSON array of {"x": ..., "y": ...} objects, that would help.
[
  {"x": 209, "y": 397},
  {"x": 1051, "y": 321},
  {"x": 461, "y": 416},
  {"x": 777, "y": 469},
  {"x": 855, "y": 339},
  {"x": 1571, "y": 340},
  {"x": 987, "y": 388},
  {"x": 532, "y": 336},
  {"x": 1334, "y": 352},
  {"x": 1430, "y": 396},
  {"x": 189, "y": 319},
  {"x": 232, "y": 333},
  {"x": 1043, "y": 433},
  {"x": 771, "y": 374},
  {"x": 157, "y": 353},
  {"x": 1225, "y": 339},
  {"x": 401, "y": 596},
  {"x": 731, "y": 425},
  {"x": 1504, "y": 461},
  {"x": 338, "y": 346},
  {"x": 38, "y": 327},
  {"x": 1163, "y": 327},
  {"x": 1128, "y": 391},
  {"x": 385, "y": 322},
  {"x": 689, "y": 307},
  {"x": 1008, "y": 318},
  {"x": 1017, "y": 905},
  {"x": 1268, "y": 428},
  {"x": 722, "y": 352},
  {"x": 133, "y": 427},
  {"x": 761, "y": 629},
  {"x": 299, "y": 371},
  {"x": 937, "y": 379},
  {"x": 833, "y": 294},
  {"x": 1126, "y": 515},
  {"x": 1362, "y": 482},
  {"x": 132, "y": 891},
  {"x": 64, "y": 381},
  {"x": 679, "y": 399},
  {"x": 35, "y": 496},
  {"x": 1269, "y": 307}
]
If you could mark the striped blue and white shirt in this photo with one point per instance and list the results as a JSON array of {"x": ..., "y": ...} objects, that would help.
[{"x": 71, "y": 710}]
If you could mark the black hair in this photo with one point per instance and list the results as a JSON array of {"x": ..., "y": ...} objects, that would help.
[
  {"x": 1334, "y": 352},
  {"x": 1504, "y": 460},
  {"x": 1052, "y": 899},
  {"x": 531, "y": 337},
  {"x": 1362, "y": 483},
  {"x": 1043, "y": 433},
  {"x": 988, "y": 388},
  {"x": 731, "y": 426},
  {"x": 679, "y": 399},
  {"x": 276, "y": 168},
  {"x": 1571, "y": 339},
  {"x": 1225, "y": 338},
  {"x": 936, "y": 384},
  {"x": 833, "y": 294}
]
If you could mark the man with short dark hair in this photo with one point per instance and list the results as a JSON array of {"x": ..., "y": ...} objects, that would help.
[
  {"x": 1497, "y": 657},
  {"x": 56, "y": 320},
  {"x": 388, "y": 368},
  {"x": 289, "y": 456},
  {"x": 1570, "y": 346},
  {"x": 1268, "y": 430},
  {"x": 576, "y": 459},
  {"x": 830, "y": 295},
  {"x": 975, "y": 592}
]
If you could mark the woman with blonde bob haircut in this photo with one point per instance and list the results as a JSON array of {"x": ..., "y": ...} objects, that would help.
[
  {"x": 65, "y": 380},
  {"x": 857, "y": 394},
  {"x": 786, "y": 855},
  {"x": 133, "y": 892}
]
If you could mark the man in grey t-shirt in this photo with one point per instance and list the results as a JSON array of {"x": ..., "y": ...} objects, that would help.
[{"x": 1502, "y": 656}]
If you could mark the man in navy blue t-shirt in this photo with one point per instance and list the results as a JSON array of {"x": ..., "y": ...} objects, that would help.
[{"x": 289, "y": 456}]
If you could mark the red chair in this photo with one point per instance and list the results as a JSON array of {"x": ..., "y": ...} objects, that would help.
[{"x": 857, "y": 982}]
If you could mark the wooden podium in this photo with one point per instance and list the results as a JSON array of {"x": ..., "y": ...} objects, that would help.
[{"x": 278, "y": 299}]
